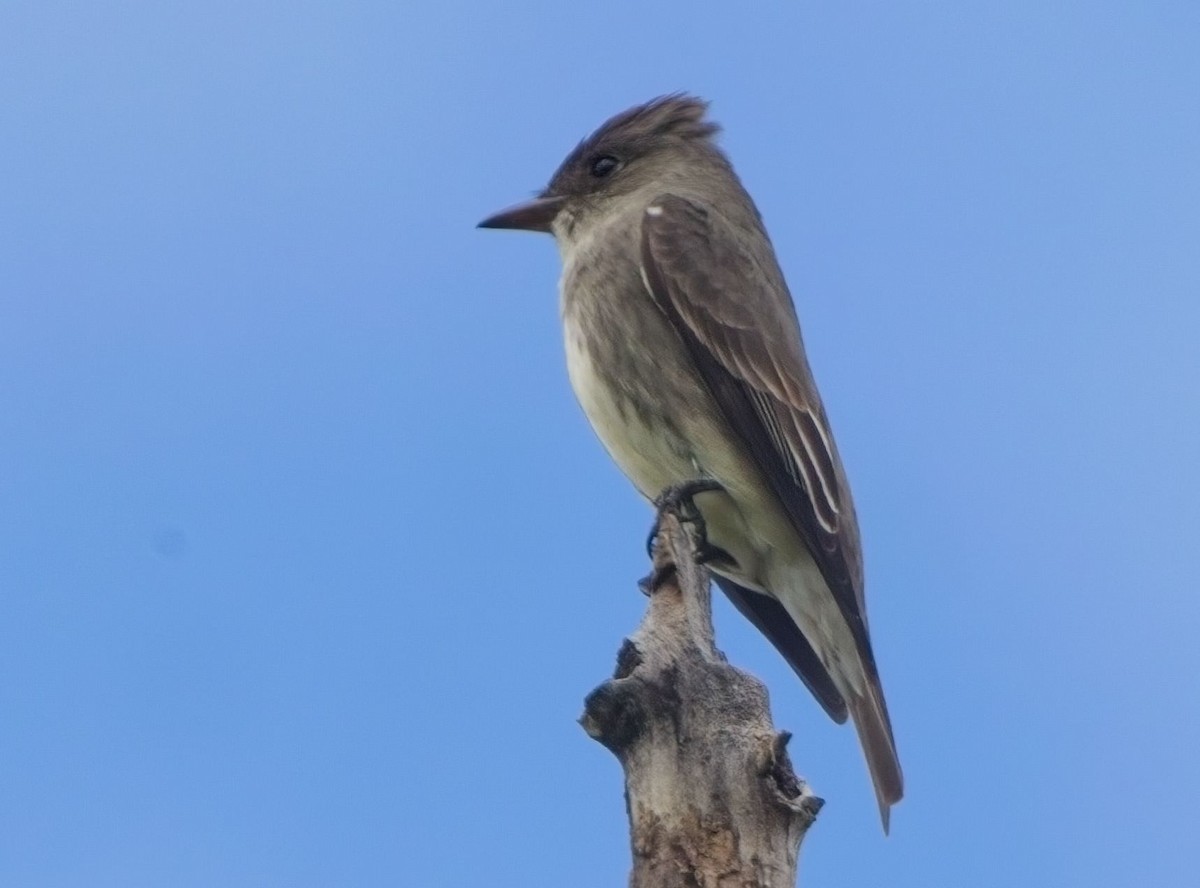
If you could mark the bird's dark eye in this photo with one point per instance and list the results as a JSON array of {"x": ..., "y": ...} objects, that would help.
[{"x": 604, "y": 165}]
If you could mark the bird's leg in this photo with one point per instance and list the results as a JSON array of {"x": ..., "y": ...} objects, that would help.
[{"x": 679, "y": 500}]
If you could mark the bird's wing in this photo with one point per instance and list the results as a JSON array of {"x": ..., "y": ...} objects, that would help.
[
  {"x": 730, "y": 305},
  {"x": 772, "y": 620},
  {"x": 731, "y": 308},
  {"x": 733, "y": 311}
]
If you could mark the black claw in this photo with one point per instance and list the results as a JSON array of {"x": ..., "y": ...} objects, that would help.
[
  {"x": 678, "y": 499},
  {"x": 653, "y": 538}
]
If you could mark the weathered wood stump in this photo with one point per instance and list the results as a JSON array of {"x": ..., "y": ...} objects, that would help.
[{"x": 712, "y": 799}]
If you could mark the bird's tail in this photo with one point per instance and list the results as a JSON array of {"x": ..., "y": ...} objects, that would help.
[
  {"x": 851, "y": 666},
  {"x": 870, "y": 715}
]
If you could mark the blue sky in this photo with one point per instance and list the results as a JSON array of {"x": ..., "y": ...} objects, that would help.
[{"x": 308, "y": 557}]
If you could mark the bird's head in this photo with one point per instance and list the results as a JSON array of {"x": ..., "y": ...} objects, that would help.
[{"x": 650, "y": 148}]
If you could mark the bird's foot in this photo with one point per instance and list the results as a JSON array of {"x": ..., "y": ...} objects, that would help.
[{"x": 679, "y": 500}]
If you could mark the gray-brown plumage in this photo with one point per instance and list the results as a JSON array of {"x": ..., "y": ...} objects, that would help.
[{"x": 684, "y": 350}]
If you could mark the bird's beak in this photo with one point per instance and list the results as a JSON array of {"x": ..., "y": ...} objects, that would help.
[{"x": 533, "y": 215}]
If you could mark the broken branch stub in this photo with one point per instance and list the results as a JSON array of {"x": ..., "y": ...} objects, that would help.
[{"x": 712, "y": 799}]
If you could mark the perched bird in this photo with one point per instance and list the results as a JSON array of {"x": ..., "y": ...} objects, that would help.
[{"x": 684, "y": 350}]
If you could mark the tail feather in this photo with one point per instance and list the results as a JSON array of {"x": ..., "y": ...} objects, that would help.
[
  {"x": 850, "y": 664},
  {"x": 869, "y": 712}
]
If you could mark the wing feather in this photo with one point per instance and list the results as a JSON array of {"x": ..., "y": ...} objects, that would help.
[{"x": 733, "y": 311}]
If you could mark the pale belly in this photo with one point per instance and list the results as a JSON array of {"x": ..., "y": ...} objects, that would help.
[
  {"x": 655, "y": 454},
  {"x": 650, "y": 457}
]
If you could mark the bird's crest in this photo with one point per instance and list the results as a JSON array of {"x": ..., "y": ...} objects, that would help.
[{"x": 676, "y": 115}]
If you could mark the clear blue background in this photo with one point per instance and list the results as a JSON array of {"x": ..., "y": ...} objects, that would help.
[{"x": 308, "y": 557}]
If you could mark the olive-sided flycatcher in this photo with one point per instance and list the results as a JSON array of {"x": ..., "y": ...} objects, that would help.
[{"x": 684, "y": 350}]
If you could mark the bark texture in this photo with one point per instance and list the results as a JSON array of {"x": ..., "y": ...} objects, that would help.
[{"x": 712, "y": 799}]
